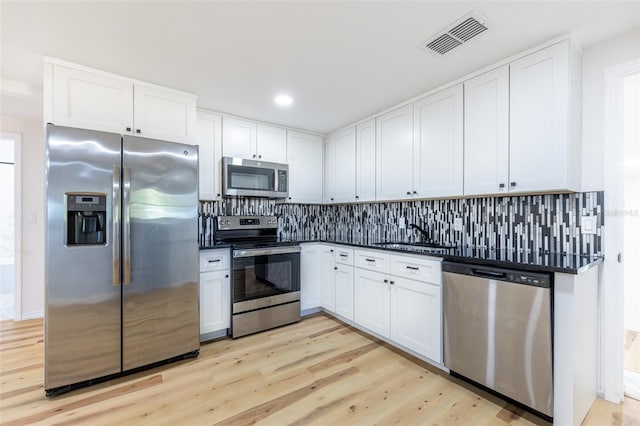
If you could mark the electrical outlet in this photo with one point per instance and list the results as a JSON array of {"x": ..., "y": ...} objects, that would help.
[
  {"x": 457, "y": 224},
  {"x": 588, "y": 224},
  {"x": 402, "y": 224}
]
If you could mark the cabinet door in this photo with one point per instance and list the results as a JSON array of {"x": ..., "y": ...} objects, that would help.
[
  {"x": 394, "y": 154},
  {"x": 371, "y": 301},
  {"x": 329, "y": 169},
  {"x": 304, "y": 154},
  {"x": 164, "y": 114},
  {"x": 327, "y": 279},
  {"x": 539, "y": 111},
  {"x": 92, "y": 101},
  {"x": 310, "y": 267},
  {"x": 416, "y": 317},
  {"x": 272, "y": 143},
  {"x": 486, "y": 133},
  {"x": 215, "y": 301},
  {"x": 344, "y": 291},
  {"x": 438, "y": 144},
  {"x": 239, "y": 138},
  {"x": 366, "y": 161},
  {"x": 345, "y": 166},
  {"x": 209, "y": 139}
]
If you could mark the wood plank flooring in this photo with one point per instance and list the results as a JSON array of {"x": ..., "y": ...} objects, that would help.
[{"x": 319, "y": 371}]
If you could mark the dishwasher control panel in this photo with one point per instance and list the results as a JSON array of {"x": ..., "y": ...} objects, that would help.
[{"x": 537, "y": 280}]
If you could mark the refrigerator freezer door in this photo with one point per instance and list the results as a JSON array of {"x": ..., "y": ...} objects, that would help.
[
  {"x": 82, "y": 309},
  {"x": 160, "y": 258}
]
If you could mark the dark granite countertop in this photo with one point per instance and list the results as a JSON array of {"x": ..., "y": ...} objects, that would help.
[{"x": 506, "y": 258}]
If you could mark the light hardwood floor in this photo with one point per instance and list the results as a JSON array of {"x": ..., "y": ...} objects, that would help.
[{"x": 319, "y": 371}]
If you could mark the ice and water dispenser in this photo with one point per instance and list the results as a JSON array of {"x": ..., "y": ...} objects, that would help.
[{"x": 86, "y": 219}]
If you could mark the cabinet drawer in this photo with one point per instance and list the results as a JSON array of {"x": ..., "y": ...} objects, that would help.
[
  {"x": 344, "y": 255},
  {"x": 416, "y": 268},
  {"x": 214, "y": 260},
  {"x": 372, "y": 260}
]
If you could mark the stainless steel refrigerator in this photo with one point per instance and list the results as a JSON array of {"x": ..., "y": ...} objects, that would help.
[{"x": 121, "y": 274}]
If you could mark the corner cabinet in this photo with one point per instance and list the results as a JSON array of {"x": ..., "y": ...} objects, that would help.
[
  {"x": 77, "y": 96},
  {"x": 340, "y": 167},
  {"x": 366, "y": 161},
  {"x": 208, "y": 138},
  {"x": 544, "y": 111},
  {"x": 304, "y": 155}
]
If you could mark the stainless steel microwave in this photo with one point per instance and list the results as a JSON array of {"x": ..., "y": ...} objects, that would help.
[{"x": 251, "y": 178}]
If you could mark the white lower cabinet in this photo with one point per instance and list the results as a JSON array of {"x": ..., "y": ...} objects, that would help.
[
  {"x": 215, "y": 292},
  {"x": 416, "y": 316},
  {"x": 327, "y": 279},
  {"x": 344, "y": 291},
  {"x": 396, "y": 296},
  {"x": 371, "y": 301},
  {"x": 310, "y": 276}
]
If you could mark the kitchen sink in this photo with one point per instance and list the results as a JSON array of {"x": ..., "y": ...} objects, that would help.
[{"x": 417, "y": 247}]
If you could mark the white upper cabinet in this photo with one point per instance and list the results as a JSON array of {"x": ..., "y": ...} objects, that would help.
[
  {"x": 340, "y": 167},
  {"x": 165, "y": 114},
  {"x": 239, "y": 138},
  {"x": 304, "y": 153},
  {"x": 329, "y": 168},
  {"x": 438, "y": 144},
  {"x": 251, "y": 140},
  {"x": 78, "y": 96},
  {"x": 209, "y": 140},
  {"x": 394, "y": 154},
  {"x": 91, "y": 101},
  {"x": 486, "y": 130},
  {"x": 366, "y": 161},
  {"x": 272, "y": 144},
  {"x": 543, "y": 155}
]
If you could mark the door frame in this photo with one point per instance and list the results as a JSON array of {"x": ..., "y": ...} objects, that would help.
[
  {"x": 17, "y": 215},
  {"x": 612, "y": 314}
]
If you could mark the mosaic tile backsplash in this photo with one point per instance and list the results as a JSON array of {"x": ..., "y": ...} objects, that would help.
[{"x": 539, "y": 223}]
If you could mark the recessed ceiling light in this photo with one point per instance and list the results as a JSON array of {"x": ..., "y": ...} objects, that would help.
[{"x": 283, "y": 100}]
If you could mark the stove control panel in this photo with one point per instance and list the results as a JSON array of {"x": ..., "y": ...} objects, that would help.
[{"x": 226, "y": 223}]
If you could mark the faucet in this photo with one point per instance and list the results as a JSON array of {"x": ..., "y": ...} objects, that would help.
[{"x": 424, "y": 233}]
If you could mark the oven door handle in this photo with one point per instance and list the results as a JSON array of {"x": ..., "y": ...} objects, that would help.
[{"x": 266, "y": 251}]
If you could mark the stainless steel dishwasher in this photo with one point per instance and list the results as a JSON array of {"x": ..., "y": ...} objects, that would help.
[{"x": 498, "y": 331}]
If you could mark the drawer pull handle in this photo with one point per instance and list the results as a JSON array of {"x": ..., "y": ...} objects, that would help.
[
  {"x": 413, "y": 268},
  {"x": 370, "y": 260},
  {"x": 343, "y": 255},
  {"x": 214, "y": 260}
]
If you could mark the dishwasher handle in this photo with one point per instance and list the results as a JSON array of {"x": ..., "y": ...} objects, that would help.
[{"x": 489, "y": 274}]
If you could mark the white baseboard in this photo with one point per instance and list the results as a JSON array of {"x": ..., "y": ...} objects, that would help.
[{"x": 32, "y": 315}]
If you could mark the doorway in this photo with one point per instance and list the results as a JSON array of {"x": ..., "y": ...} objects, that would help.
[{"x": 10, "y": 226}]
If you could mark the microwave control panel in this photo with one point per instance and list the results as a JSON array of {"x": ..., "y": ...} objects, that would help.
[{"x": 282, "y": 181}]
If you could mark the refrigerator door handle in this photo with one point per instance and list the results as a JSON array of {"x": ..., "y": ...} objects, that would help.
[
  {"x": 115, "y": 211},
  {"x": 126, "y": 244}
]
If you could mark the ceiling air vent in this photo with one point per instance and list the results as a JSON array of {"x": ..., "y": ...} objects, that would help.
[{"x": 455, "y": 34}]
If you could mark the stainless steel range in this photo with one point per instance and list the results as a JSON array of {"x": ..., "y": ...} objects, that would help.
[{"x": 265, "y": 273}]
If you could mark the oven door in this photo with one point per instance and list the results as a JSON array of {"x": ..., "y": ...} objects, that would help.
[{"x": 265, "y": 277}]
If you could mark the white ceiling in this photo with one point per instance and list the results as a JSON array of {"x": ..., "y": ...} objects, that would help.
[{"x": 341, "y": 61}]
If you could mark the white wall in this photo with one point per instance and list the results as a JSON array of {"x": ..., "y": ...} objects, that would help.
[
  {"x": 32, "y": 193},
  {"x": 595, "y": 62}
]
